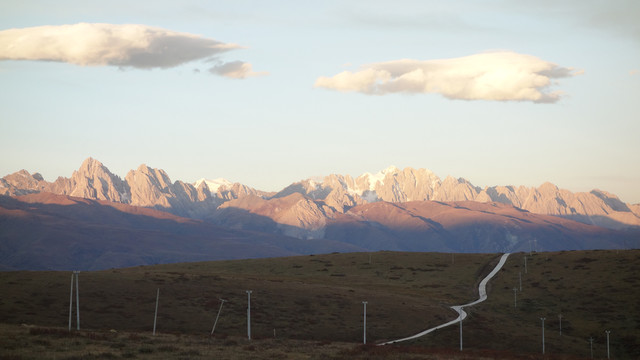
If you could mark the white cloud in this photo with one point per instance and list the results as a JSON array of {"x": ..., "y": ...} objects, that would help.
[
  {"x": 236, "y": 70},
  {"x": 500, "y": 76},
  {"x": 129, "y": 45}
]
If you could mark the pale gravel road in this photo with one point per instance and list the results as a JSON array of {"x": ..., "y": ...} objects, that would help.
[{"x": 482, "y": 290}]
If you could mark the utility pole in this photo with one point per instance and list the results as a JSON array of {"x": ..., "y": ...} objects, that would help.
[
  {"x": 217, "y": 316},
  {"x": 74, "y": 275},
  {"x": 591, "y": 341},
  {"x": 525, "y": 264},
  {"x": 560, "y": 317},
  {"x": 608, "y": 331},
  {"x": 520, "y": 276},
  {"x": 249, "y": 315},
  {"x": 542, "y": 334},
  {"x": 77, "y": 301},
  {"x": 365, "y": 322},
  {"x": 71, "y": 300},
  {"x": 460, "y": 332},
  {"x": 155, "y": 317}
]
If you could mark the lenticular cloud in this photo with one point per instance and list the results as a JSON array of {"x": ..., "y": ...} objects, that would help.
[
  {"x": 129, "y": 45},
  {"x": 499, "y": 76}
]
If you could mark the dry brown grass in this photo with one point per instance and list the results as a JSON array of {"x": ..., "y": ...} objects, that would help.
[
  {"x": 314, "y": 302},
  {"x": 299, "y": 297},
  {"x": 593, "y": 290},
  {"x": 58, "y": 343}
]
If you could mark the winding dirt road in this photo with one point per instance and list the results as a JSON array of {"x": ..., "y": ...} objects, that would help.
[{"x": 482, "y": 290}]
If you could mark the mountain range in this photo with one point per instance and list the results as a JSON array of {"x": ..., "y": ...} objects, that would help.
[
  {"x": 149, "y": 187},
  {"x": 408, "y": 209}
]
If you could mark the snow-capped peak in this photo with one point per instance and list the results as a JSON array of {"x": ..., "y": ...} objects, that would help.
[
  {"x": 379, "y": 177},
  {"x": 390, "y": 169},
  {"x": 214, "y": 184}
]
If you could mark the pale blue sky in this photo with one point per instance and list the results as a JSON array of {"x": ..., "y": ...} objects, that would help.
[{"x": 268, "y": 131}]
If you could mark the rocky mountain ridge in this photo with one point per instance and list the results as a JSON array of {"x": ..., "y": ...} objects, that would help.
[
  {"x": 399, "y": 186},
  {"x": 303, "y": 209},
  {"x": 145, "y": 187}
]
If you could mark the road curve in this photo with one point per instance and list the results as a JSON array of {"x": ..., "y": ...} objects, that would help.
[{"x": 482, "y": 290}]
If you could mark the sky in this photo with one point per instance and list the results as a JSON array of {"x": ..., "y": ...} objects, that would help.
[{"x": 267, "y": 93}]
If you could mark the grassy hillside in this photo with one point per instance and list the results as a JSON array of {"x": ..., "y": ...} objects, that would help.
[
  {"x": 594, "y": 291},
  {"x": 318, "y": 300}
]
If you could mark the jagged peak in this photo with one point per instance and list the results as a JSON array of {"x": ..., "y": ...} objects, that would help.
[
  {"x": 602, "y": 194},
  {"x": 91, "y": 168},
  {"x": 547, "y": 186},
  {"x": 144, "y": 168},
  {"x": 611, "y": 200},
  {"x": 154, "y": 174},
  {"x": 91, "y": 163},
  {"x": 23, "y": 173},
  {"x": 392, "y": 169}
]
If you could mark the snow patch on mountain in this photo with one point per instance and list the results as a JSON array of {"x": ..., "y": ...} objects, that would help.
[
  {"x": 214, "y": 184},
  {"x": 374, "y": 179}
]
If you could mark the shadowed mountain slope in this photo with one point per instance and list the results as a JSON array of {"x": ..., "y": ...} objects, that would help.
[
  {"x": 47, "y": 231},
  {"x": 468, "y": 226}
]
